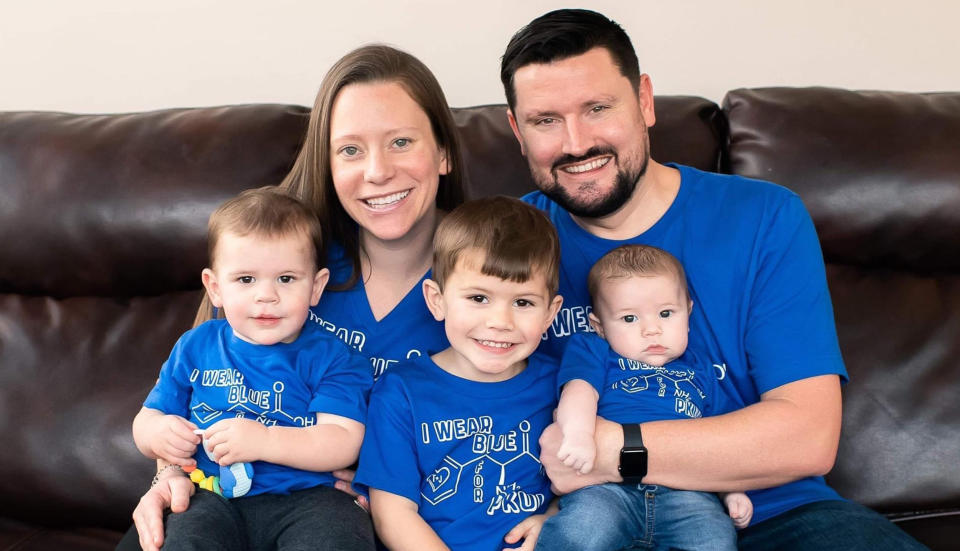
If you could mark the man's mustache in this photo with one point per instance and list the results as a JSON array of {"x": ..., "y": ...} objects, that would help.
[{"x": 595, "y": 151}]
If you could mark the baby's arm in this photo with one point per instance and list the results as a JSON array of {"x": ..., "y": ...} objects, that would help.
[
  {"x": 529, "y": 528},
  {"x": 739, "y": 507},
  {"x": 576, "y": 416},
  {"x": 168, "y": 437},
  {"x": 332, "y": 443},
  {"x": 399, "y": 524}
]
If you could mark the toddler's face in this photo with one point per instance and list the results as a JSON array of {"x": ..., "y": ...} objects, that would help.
[
  {"x": 644, "y": 318},
  {"x": 265, "y": 285},
  {"x": 492, "y": 324}
]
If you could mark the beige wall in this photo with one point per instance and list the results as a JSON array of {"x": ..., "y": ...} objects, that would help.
[{"x": 131, "y": 55}]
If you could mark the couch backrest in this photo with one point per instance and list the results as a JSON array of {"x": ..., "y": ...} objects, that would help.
[
  {"x": 880, "y": 174},
  {"x": 102, "y": 223}
]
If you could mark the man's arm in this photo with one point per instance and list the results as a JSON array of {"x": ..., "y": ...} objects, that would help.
[
  {"x": 333, "y": 443},
  {"x": 399, "y": 524},
  {"x": 792, "y": 432}
]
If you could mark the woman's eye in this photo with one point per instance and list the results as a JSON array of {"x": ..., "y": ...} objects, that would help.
[
  {"x": 245, "y": 279},
  {"x": 629, "y": 318},
  {"x": 349, "y": 151},
  {"x": 401, "y": 142},
  {"x": 285, "y": 278}
]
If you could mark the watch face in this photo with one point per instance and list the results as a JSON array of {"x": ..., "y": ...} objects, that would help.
[{"x": 633, "y": 462}]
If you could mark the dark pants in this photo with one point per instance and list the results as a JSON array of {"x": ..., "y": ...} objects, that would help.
[
  {"x": 827, "y": 525},
  {"x": 316, "y": 518}
]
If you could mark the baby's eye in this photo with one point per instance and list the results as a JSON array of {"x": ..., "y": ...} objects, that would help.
[
  {"x": 479, "y": 299},
  {"x": 245, "y": 279},
  {"x": 666, "y": 313},
  {"x": 629, "y": 318},
  {"x": 285, "y": 279}
]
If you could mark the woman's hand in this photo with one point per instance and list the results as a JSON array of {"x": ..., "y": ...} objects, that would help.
[{"x": 171, "y": 491}]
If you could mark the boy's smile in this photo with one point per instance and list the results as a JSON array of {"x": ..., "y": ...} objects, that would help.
[{"x": 492, "y": 324}]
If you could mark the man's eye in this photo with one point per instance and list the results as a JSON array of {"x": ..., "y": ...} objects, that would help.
[
  {"x": 479, "y": 299},
  {"x": 598, "y": 108},
  {"x": 666, "y": 313},
  {"x": 546, "y": 121},
  {"x": 285, "y": 278},
  {"x": 629, "y": 318},
  {"x": 245, "y": 279}
]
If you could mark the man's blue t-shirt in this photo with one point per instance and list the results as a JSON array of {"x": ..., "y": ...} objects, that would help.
[
  {"x": 465, "y": 452},
  {"x": 212, "y": 375},
  {"x": 762, "y": 314},
  {"x": 634, "y": 392},
  {"x": 407, "y": 332}
]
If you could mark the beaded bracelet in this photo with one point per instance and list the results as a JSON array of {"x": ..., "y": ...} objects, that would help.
[{"x": 156, "y": 477}]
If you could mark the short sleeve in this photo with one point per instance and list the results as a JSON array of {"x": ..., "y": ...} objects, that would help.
[
  {"x": 172, "y": 393},
  {"x": 345, "y": 385},
  {"x": 584, "y": 358}
]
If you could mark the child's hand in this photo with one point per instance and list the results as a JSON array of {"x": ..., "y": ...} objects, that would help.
[
  {"x": 235, "y": 440},
  {"x": 578, "y": 451},
  {"x": 740, "y": 508},
  {"x": 528, "y": 530},
  {"x": 173, "y": 439}
]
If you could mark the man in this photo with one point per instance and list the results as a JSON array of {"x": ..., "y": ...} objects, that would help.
[{"x": 580, "y": 108}]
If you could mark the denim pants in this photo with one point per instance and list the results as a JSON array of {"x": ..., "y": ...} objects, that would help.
[
  {"x": 316, "y": 518},
  {"x": 829, "y": 526},
  {"x": 624, "y": 516}
]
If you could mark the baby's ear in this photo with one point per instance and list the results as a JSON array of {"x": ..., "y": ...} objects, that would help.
[
  {"x": 210, "y": 283},
  {"x": 434, "y": 299},
  {"x": 595, "y": 323}
]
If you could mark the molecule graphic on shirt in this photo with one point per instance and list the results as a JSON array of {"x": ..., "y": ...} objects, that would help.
[
  {"x": 448, "y": 479},
  {"x": 262, "y": 406}
]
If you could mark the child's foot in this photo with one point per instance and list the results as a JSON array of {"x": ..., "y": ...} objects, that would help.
[{"x": 235, "y": 480}]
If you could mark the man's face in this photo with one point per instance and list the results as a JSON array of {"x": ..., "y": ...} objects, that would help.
[{"x": 583, "y": 129}]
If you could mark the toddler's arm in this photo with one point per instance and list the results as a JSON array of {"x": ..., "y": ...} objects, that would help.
[
  {"x": 332, "y": 443},
  {"x": 739, "y": 507},
  {"x": 168, "y": 437},
  {"x": 576, "y": 416},
  {"x": 399, "y": 524},
  {"x": 529, "y": 528}
]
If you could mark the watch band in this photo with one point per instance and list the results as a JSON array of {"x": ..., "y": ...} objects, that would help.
[{"x": 633, "y": 455}]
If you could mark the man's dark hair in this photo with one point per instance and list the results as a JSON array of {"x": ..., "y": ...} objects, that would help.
[{"x": 566, "y": 33}]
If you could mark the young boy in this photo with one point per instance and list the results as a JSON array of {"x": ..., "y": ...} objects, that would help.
[
  {"x": 636, "y": 368},
  {"x": 261, "y": 386},
  {"x": 451, "y": 455}
]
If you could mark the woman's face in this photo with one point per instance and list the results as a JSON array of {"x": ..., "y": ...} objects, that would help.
[{"x": 385, "y": 161}]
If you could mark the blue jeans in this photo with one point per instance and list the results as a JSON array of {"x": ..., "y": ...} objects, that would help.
[
  {"x": 827, "y": 525},
  {"x": 622, "y": 516},
  {"x": 316, "y": 518}
]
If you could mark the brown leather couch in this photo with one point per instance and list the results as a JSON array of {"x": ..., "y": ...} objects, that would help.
[{"x": 102, "y": 241}]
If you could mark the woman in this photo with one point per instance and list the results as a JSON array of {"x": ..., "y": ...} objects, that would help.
[{"x": 380, "y": 164}]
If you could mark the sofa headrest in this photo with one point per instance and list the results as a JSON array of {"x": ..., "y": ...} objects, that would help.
[{"x": 879, "y": 171}]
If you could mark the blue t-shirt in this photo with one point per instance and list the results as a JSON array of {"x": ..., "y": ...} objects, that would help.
[
  {"x": 212, "y": 374},
  {"x": 762, "y": 314},
  {"x": 465, "y": 452},
  {"x": 634, "y": 392},
  {"x": 407, "y": 332}
]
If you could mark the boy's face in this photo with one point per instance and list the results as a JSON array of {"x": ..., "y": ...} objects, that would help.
[
  {"x": 265, "y": 285},
  {"x": 492, "y": 324},
  {"x": 644, "y": 318}
]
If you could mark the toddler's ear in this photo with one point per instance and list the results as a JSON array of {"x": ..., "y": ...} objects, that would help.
[
  {"x": 434, "y": 298},
  {"x": 595, "y": 323},
  {"x": 319, "y": 283},
  {"x": 209, "y": 279}
]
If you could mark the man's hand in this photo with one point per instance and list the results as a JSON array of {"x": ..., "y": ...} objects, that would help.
[
  {"x": 172, "y": 491},
  {"x": 236, "y": 440},
  {"x": 565, "y": 479}
]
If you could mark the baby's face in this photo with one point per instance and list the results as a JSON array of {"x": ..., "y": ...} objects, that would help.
[
  {"x": 644, "y": 318},
  {"x": 265, "y": 285}
]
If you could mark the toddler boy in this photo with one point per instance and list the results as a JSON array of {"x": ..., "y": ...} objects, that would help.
[
  {"x": 280, "y": 403},
  {"x": 451, "y": 455},
  {"x": 636, "y": 368}
]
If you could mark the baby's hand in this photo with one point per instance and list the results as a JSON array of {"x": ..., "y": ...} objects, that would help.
[
  {"x": 235, "y": 441},
  {"x": 578, "y": 451},
  {"x": 528, "y": 530},
  {"x": 174, "y": 440},
  {"x": 740, "y": 508}
]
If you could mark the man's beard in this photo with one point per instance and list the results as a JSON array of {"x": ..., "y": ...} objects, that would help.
[{"x": 623, "y": 185}]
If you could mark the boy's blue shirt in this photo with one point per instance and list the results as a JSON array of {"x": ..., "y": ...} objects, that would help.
[
  {"x": 212, "y": 375},
  {"x": 408, "y": 331},
  {"x": 465, "y": 452},
  {"x": 762, "y": 315}
]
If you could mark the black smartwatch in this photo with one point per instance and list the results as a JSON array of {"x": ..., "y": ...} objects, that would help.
[{"x": 633, "y": 455}]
